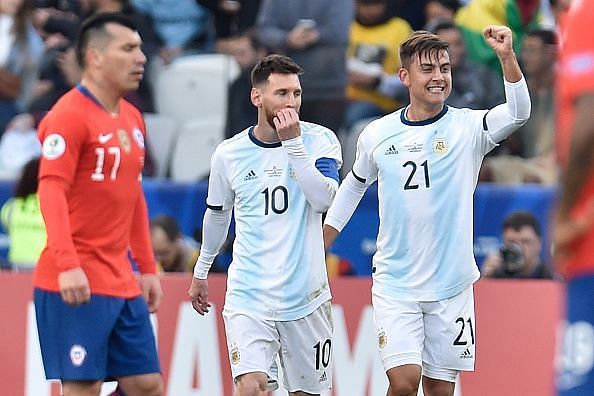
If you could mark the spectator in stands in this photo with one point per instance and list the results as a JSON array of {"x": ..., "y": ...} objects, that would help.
[
  {"x": 59, "y": 17},
  {"x": 440, "y": 10},
  {"x": 315, "y": 34},
  {"x": 20, "y": 52},
  {"x": 373, "y": 62},
  {"x": 247, "y": 51},
  {"x": 182, "y": 26},
  {"x": 529, "y": 155},
  {"x": 18, "y": 145},
  {"x": 232, "y": 17},
  {"x": 520, "y": 255},
  {"x": 411, "y": 11},
  {"x": 21, "y": 218},
  {"x": 173, "y": 251},
  {"x": 58, "y": 22},
  {"x": 518, "y": 15},
  {"x": 473, "y": 84}
]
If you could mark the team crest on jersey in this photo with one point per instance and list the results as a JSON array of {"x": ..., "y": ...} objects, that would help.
[
  {"x": 440, "y": 146},
  {"x": 273, "y": 172},
  {"x": 235, "y": 355},
  {"x": 138, "y": 137},
  {"x": 382, "y": 339},
  {"x": 54, "y": 146},
  {"x": 78, "y": 354},
  {"x": 124, "y": 140}
]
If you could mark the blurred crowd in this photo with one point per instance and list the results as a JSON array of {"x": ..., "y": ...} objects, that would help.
[{"x": 348, "y": 49}]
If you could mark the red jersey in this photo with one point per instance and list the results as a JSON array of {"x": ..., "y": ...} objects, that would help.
[
  {"x": 575, "y": 77},
  {"x": 95, "y": 159}
]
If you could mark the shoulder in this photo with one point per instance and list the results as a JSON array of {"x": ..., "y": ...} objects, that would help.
[
  {"x": 383, "y": 125},
  {"x": 309, "y": 130},
  {"x": 465, "y": 113},
  {"x": 228, "y": 146},
  {"x": 67, "y": 113}
]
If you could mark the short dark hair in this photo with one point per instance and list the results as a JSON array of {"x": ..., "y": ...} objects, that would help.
[
  {"x": 169, "y": 226},
  {"x": 547, "y": 36},
  {"x": 94, "y": 26},
  {"x": 517, "y": 220},
  {"x": 280, "y": 64},
  {"x": 418, "y": 43},
  {"x": 27, "y": 184}
]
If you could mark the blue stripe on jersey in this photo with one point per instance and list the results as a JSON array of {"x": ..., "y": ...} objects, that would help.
[
  {"x": 428, "y": 121},
  {"x": 260, "y": 143},
  {"x": 328, "y": 167},
  {"x": 85, "y": 91}
]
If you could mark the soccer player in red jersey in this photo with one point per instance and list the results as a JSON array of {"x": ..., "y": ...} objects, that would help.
[
  {"x": 574, "y": 226},
  {"x": 92, "y": 311}
]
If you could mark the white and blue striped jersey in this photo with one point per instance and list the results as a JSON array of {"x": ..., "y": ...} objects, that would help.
[
  {"x": 278, "y": 270},
  {"x": 426, "y": 172}
]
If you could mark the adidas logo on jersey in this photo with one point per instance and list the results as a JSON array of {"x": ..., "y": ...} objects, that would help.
[
  {"x": 391, "y": 150},
  {"x": 323, "y": 377},
  {"x": 250, "y": 176},
  {"x": 466, "y": 354}
]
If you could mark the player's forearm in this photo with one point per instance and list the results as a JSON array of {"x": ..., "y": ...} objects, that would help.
[
  {"x": 510, "y": 67},
  {"x": 318, "y": 189},
  {"x": 330, "y": 234},
  {"x": 54, "y": 209},
  {"x": 347, "y": 198},
  {"x": 505, "y": 118},
  {"x": 140, "y": 238},
  {"x": 215, "y": 226},
  {"x": 580, "y": 163}
]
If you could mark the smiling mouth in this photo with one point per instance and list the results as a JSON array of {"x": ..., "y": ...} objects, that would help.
[{"x": 436, "y": 89}]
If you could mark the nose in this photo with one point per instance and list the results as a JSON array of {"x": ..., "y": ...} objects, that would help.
[
  {"x": 437, "y": 74},
  {"x": 291, "y": 101},
  {"x": 141, "y": 57}
]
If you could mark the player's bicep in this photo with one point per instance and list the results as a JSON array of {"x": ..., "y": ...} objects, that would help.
[
  {"x": 220, "y": 194},
  {"x": 364, "y": 169},
  {"x": 62, "y": 138}
]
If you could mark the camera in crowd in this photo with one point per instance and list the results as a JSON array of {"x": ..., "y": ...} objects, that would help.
[{"x": 513, "y": 257}]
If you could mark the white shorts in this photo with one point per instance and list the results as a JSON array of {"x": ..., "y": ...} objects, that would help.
[
  {"x": 304, "y": 348},
  {"x": 437, "y": 335}
]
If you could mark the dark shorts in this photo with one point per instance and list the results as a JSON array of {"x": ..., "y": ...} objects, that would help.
[
  {"x": 575, "y": 364},
  {"x": 108, "y": 337}
]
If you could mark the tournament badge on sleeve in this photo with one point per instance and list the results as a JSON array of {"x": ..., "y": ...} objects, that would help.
[{"x": 124, "y": 140}]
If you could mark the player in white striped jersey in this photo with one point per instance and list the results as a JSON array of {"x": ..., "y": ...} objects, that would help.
[
  {"x": 279, "y": 177},
  {"x": 426, "y": 159}
]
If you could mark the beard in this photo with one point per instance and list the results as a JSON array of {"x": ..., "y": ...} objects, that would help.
[{"x": 270, "y": 117}]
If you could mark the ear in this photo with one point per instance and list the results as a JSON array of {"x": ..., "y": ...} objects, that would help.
[
  {"x": 404, "y": 77},
  {"x": 93, "y": 56},
  {"x": 256, "y": 97}
]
